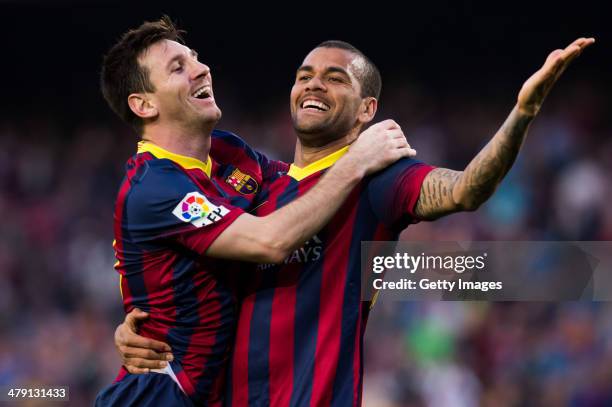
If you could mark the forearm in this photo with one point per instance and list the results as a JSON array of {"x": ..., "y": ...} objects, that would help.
[
  {"x": 270, "y": 239},
  {"x": 445, "y": 191},
  {"x": 289, "y": 227},
  {"x": 484, "y": 173}
]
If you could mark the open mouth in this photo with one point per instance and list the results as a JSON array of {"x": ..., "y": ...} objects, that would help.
[
  {"x": 202, "y": 93},
  {"x": 314, "y": 105}
]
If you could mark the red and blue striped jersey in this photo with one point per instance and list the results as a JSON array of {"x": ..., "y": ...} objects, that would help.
[
  {"x": 300, "y": 330},
  {"x": 169, "y": 210}
]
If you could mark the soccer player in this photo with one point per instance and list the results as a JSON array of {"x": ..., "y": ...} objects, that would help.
[
  {"x": 180, "y": 211},
  {"x": 301, "y": 323}
]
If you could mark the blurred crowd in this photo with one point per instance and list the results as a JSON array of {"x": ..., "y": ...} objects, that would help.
[{"x": 59, "y": 296}]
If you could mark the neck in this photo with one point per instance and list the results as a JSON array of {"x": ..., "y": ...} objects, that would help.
[
  {"x": 178, "y": 140},
  {"x": 305, "y": 155}
]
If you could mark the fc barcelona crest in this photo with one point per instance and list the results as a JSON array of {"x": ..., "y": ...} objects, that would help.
[{"x": 242, "y": 182}]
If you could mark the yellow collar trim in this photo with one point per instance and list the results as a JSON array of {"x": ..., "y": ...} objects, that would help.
[
  {"x": 187, "y": 163},
  {"x": 299, "y": 174}
]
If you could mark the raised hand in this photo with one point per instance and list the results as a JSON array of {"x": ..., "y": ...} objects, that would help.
[{"x": 536, "y": 88}]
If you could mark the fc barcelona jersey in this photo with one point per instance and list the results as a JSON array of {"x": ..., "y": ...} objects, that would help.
[
  {"x": 169, "y": 210},
  {"x": 300, "y": 330}
]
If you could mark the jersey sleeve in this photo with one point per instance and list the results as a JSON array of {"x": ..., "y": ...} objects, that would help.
[
  {"x": 394, "y": 191},
  {"x": 165, "y": 207}
]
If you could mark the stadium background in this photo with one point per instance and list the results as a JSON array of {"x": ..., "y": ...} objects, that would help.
[{"x": 450, "y": 75}]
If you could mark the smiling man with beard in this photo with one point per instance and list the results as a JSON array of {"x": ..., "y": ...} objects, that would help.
[{"x": 301, "y": 323}]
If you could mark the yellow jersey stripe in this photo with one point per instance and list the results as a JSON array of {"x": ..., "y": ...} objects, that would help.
[
  {"x": 186, "y": 162},
  {"x": 299, "y": 174}
]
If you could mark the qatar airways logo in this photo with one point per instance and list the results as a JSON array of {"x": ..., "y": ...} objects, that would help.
[{"x": 310, "y": 252}]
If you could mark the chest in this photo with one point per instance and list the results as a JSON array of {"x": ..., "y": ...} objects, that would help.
[{"x": 233, "y": 183}]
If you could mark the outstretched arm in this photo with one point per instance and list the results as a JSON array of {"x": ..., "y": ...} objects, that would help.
[{"x": 446, "y": 191}]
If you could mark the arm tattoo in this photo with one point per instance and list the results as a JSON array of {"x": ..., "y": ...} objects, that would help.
[
  {"x": 445, "y": 191},
  {"x": 436, "y": 198}
]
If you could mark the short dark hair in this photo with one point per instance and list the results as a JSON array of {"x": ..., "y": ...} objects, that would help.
[
  {"x": 123, "y": 75},
  {"x": 369, "y": 77}
]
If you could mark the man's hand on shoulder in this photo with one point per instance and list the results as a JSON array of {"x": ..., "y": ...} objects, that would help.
[{"x": 379, "y": 146}]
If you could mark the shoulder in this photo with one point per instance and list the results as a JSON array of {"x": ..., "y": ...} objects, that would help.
[
  {"x": 227, "y": 137},
  {"x": 226, "y": 144},
  {"x": 404, "y": 176},
  {"x": 397, "y": 169},
  {"x": 154, "y": 181},
  {"x": 229, "y": 149}
]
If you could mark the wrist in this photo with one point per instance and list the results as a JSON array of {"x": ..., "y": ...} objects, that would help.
[
  {"x": 526, "y": 112},
  {"x": 350, "y": 169}
]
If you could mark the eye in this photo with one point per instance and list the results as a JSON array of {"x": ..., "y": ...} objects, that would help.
[
  {"x": 303, "y": 78},
  {"x": 177, "y": 69},
  {"x": 335, "y": 79}
]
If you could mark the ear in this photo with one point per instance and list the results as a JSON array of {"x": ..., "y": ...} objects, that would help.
[
  {"x": 367, "y": 110},
  {"x": 142, "y": 105}
]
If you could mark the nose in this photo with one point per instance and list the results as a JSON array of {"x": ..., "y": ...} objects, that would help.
[
  {"x": 200, "y": 70},
  {"x": 315, "y": 83}
]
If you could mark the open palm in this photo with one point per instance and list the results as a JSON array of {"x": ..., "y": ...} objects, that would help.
[{"x": 536, "y": 88}]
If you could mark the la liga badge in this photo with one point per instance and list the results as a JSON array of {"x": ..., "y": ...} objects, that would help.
[{"x": 194, "y": 208}]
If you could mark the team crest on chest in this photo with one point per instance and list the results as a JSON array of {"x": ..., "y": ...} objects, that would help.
[
  {"x": 199, "y": 211},
  {"x": 241, "y": 182}
]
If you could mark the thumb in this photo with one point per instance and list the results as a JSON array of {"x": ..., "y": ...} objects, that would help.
[{"x": 135, "y": 317}]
